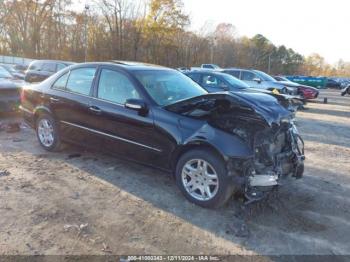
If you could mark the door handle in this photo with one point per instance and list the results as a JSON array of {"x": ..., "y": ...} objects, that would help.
[
  {"x": 54, "y": 100},
  {"x": 95, "y": 109}
]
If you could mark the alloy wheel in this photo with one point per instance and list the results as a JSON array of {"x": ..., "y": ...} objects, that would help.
[
  {"x": 46, "y": 132},
  {"x": 200, "y": 179}
]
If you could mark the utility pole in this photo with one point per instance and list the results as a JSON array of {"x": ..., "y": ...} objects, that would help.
[
  {"x": 269, "y": 68},
  {"x": 212, "y": 50},
  {"x": 87, "y": 7}
]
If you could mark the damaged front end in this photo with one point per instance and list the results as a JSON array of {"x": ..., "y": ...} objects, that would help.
[
  {"x": 278, "y": 154},
  {"x": 264, "y": 126}
]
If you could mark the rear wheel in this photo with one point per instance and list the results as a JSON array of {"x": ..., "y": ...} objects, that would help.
[
  {"x": 202, "y": 177},
  {"x": 47, "y": 132}
]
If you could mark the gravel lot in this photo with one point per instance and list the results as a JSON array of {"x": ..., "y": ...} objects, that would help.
[{"x": 78, "y": 202}]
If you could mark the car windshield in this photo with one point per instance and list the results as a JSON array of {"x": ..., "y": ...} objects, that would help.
[
  {"x": 4, "y": 73},
  {"x": 264, "y": 76},
  {"x": 234, "y": 82},
  {"x": 168, "y": 87}
]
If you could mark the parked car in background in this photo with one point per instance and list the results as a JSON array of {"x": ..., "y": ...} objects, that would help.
[
  {"x": 345, "y": 91},
  {"x": 10, "y": 90},
  {"x": 21, "y": 68},
  {"x": 39, "y": 70},
  {"x": 11, "y": 69},
  {"x": 215, "y": 144},
  {"x": 210, "y": 66},
  {"x": 344, "y": 82},
  {"x": 331, "y": 83},
  {"x": 306, "y": 92},
  {"x": 214, "y": 81},
  {"x": 259, "y": 79}
]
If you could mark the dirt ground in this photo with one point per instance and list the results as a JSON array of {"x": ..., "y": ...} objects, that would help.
[{"x": 78, "y": 202}]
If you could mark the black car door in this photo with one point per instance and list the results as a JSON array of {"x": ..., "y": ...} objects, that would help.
[
  {"x": 70, "y": 101},
  {"x": 124, "y": 131}
]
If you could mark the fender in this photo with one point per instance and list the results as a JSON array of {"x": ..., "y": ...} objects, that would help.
[{"x": 228, "y": 145}]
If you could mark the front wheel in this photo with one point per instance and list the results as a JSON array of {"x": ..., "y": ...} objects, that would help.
[
  {"x": 202, "y": 177},
  {"x": 47, "y": 132}
]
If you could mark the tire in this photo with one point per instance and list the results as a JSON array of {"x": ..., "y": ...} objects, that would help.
[
  {"x": 222, "y": 192},
  {"x": 53, "y": 145}
]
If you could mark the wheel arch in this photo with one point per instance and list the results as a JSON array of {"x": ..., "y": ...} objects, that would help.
[
  {"x": 40, "y": 110},
  {"x": 192, "y": 146}
]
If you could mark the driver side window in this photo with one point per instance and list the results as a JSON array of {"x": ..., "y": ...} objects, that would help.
[{"x": 115, "y": 87}]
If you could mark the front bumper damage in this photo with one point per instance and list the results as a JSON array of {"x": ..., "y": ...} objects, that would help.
[{"x": 279, "y": 154}]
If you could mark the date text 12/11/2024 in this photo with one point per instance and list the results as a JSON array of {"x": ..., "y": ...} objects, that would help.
[{"x": 170, "y": 258}]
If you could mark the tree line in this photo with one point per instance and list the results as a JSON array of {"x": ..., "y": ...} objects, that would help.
[{"x": 153, "y": 31}]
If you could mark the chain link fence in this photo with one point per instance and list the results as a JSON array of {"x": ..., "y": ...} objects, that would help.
[{"x": 15, "y": 60}]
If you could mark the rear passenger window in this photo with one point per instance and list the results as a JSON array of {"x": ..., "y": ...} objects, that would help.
[
  {"x": 61, "y": 82},
  {"x": 233, "y": 73},
  {"x": 115, "y": 87},
  {"x": 80, "y": 80}
]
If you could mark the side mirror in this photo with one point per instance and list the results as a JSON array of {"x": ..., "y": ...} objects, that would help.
[
  {"x": 138, "y": 105},
  {"x": 258, "y": 80}
]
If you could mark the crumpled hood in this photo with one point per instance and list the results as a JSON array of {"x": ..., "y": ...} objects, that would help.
[
  {"x": 265, "y": 105},
  {"x": 260, "y": 105}
]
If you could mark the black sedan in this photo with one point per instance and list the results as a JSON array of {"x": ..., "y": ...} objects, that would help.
[
  {"x": 10, "y": 90},
  {"x": 214, "y": 144}
]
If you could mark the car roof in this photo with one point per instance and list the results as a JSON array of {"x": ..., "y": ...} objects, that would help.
[
  {"x": 128, "y": 65},
  {"x": 137, "y": 65},
  {"x": 240, "y": 69},
  {"x": 203, "y": 70},
  {"x": 213, "y": 72}
]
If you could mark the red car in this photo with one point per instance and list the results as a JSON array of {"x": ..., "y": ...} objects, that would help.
[{"x": 306, "y": 92}]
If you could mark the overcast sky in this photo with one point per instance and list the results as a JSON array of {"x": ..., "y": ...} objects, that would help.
[{"x": 307, "y": 26}]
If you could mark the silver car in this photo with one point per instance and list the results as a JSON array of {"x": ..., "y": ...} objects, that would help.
[{"x": 257, "y": 79}]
